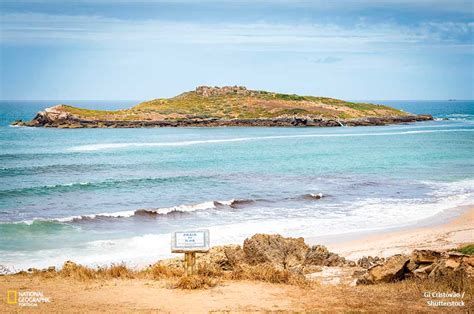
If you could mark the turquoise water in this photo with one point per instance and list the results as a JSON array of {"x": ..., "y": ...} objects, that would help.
[{"x": 109, "y": 195}]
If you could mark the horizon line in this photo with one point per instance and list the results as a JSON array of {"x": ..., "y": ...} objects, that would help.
[{"x": 367, "y": 99}]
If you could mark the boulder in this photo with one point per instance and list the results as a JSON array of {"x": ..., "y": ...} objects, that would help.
[
  {"x": 224, "y": 257},
  {"x": 391, "y": 270},
  {"x": 279, "y": 251},
  {"x": 453, "y": 263},
  {"x": 468, "y": 260},
  {"x": 423, "y": 271},
  {"x": 425, "y": 256},
  {"x": 320, "y": 255},
  {"x": 234, "y": 254},
  {"x": 369, "y": 261},
  {"x": 412, "y": 266}
]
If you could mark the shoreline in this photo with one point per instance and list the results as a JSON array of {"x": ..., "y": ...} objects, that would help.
[
  {"x": 429, "y": 233},
  {"x": 436, "y": 220},
  {"x": 44, "y": 119},
  {"x": 432, "y": 234}
]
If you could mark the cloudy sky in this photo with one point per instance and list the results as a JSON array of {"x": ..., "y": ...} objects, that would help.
[{"x": 142, "y": 49}]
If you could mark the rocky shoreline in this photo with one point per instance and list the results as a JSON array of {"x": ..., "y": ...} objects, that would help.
[
  {"x": 295, "y": 259},
  {"x": 51, "y": 118}
]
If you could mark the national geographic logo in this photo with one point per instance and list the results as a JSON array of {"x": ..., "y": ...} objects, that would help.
[
  {"x": 26, "y": 298},
  {"x": 12, "y": 297}
]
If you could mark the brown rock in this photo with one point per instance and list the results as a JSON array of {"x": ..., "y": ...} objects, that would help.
[
  {"x": 425, "y": 256},
  {"x": 453, "y": 264},
  {"x": 235, "y": 255},
  {"x": 274, "y": 249},
  {"x": 391, "y": 270},
  {"x": 468, "y": 260},
  {"x": 411, "y": 266},
  {"x": 320, "y": 255},
  {"x": 424, "y": 271},
  {"x": 369, "y": 261}
]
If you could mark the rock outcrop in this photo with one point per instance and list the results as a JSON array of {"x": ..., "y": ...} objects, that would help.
[
  {"x": 391, "y": 270},
  {"x": 422, "y": 264},
  {"x": 274, "y": 249},
  {"x": 319, "y": 255},
  {"x": 56, "y": 119},
  {"x": 367, "y": 262},
  {"x": 207, "y": 91}
]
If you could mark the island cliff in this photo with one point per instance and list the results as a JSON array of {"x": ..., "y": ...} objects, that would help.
[{"x": 226, "y": 106}]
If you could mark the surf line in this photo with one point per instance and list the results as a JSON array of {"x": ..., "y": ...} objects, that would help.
[{"x": 105, "y": 146}]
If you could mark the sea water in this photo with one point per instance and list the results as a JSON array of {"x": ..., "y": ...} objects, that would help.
[{"x": 98, "y": 196}]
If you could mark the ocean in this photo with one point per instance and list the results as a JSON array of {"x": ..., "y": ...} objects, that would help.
[{"x": 98, "y": 196}]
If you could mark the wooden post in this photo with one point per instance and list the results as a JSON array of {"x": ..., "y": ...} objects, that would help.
[{"x": 189, "y": 263}]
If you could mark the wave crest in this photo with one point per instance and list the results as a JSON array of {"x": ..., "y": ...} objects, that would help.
[{"x": 181, "y": 209}]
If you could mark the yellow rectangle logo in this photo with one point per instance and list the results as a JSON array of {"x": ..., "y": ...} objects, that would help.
[{"x": 12, "y": 297}]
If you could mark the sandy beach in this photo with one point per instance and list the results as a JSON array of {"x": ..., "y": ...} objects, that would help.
[
  {"x": 124, "y": 295},
  {"x": 436, "y": 237}
]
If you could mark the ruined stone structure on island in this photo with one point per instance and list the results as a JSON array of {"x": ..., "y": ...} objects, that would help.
[{"x": 225, "y": 90}]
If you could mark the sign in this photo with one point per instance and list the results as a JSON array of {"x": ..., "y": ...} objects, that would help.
[{"x": 190, "y": 241}]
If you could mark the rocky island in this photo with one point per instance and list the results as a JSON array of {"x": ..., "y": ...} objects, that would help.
[{"x": 226, "y": 106}]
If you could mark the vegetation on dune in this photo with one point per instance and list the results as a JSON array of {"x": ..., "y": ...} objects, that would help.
[
  {"x": 236, "y": 103},
  {"x": 208, "y": 275},
  {"x": 467, "y": 249}
]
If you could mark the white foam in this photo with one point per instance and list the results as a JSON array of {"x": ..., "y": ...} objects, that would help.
[
  {"x": 362, "y": 215},
  {"x": 110, "y": 146},
  {"x": 182, "y": 208},
  {"x": 130, "y": 213},
  {"x": 122, "y": 214}
]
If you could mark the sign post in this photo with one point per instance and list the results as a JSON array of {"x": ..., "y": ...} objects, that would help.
[{"x": 190, "y": 243}]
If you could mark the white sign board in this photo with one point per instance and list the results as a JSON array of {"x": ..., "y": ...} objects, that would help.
[{"x": 190, "y": 241}]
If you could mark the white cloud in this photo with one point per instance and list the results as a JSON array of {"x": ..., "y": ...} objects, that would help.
[{"x": 44, "y": 28}]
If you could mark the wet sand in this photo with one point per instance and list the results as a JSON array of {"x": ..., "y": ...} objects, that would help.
[{"x": 449, "y": 235}]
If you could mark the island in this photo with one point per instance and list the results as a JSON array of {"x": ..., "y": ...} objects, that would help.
[{"x": 208, "y": 106}]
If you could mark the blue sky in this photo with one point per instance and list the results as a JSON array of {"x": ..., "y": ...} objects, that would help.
[{"x": 143, "y": 49}]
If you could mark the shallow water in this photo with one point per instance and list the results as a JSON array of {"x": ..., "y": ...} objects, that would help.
[{"x": 109, "y": 195}]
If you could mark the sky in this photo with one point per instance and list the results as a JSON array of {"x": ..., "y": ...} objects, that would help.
[{"x": 144, "y": 49}]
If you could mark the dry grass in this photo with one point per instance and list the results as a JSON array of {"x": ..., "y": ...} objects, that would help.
[
  {"x": 159, "y": 271},
  {"x": 83, "y": 273},
  {"x": 210, "y": 270},
  {"x": 453, "y": 281},
  {"x": 267, "y": 273},
  {"x": 209, "y": 275},
  {"x": 195, "y": 282}
]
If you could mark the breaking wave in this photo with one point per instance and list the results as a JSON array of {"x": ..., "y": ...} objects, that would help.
[
  {"x": 233, "y": 203},
  {"x": 313, "y": 196}
]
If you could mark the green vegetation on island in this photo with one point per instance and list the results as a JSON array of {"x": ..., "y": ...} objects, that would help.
[{"x": 227, "y": 106}]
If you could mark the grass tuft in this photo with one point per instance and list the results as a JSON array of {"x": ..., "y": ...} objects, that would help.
[
  {"x": 267, "y": 273},
  {"x": 467, "y": 249},
  {"x": 159, "y": 271},
  {"x": 195, "y": 282}
]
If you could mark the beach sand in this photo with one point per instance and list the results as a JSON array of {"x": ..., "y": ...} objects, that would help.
[
  {"x": 127, "y": 295},
  {"x": 437, "y": 237}
]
